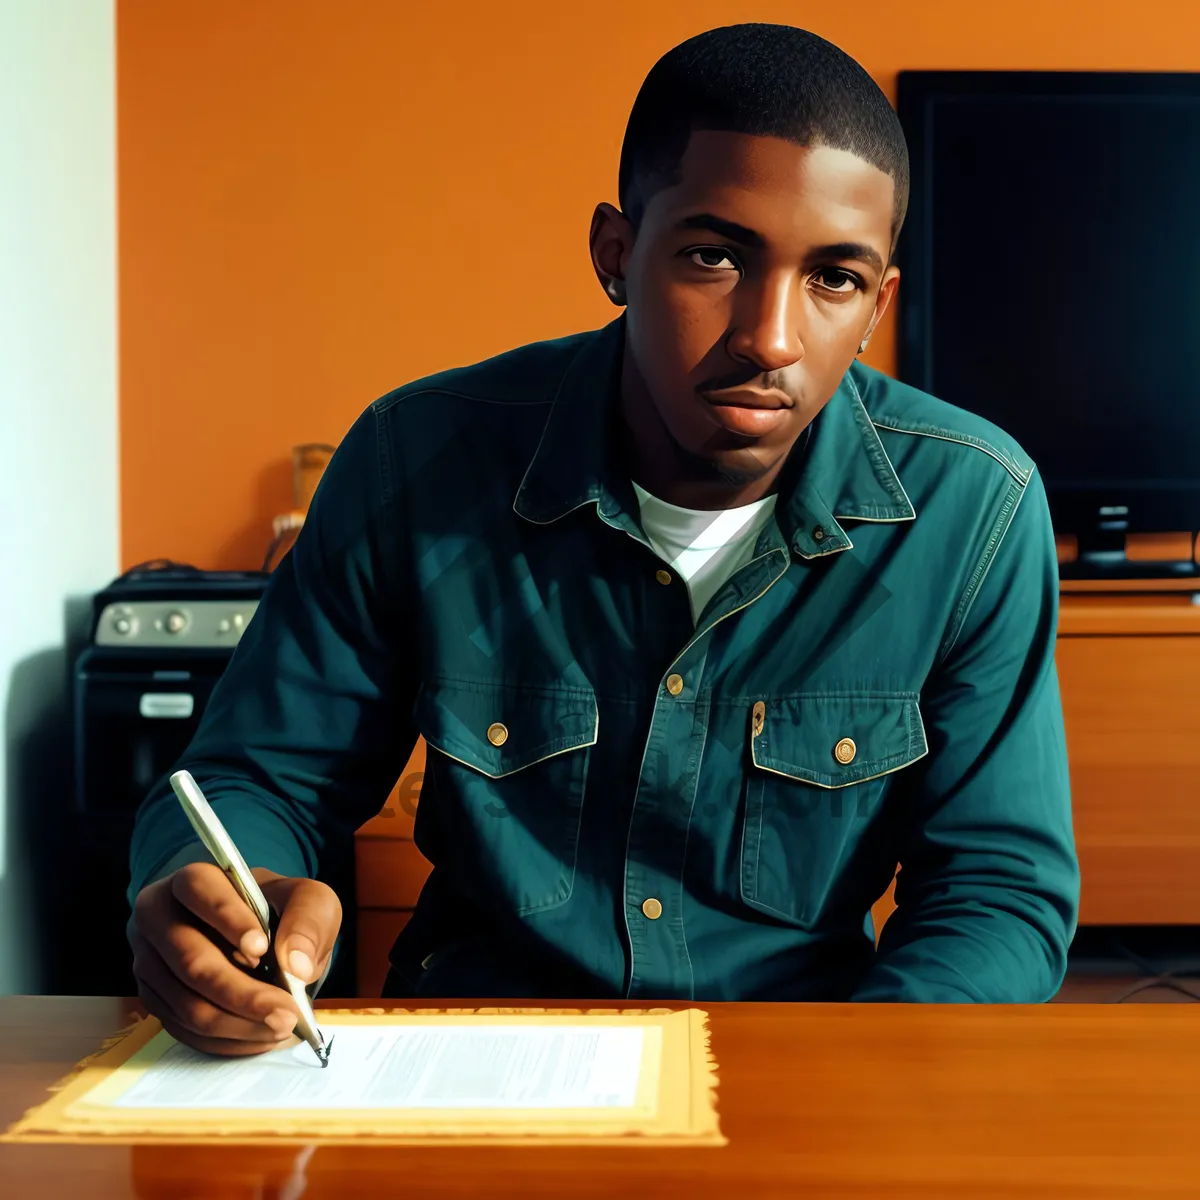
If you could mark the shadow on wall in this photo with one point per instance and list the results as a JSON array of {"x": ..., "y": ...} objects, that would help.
[{"x": 39, "y": 780}]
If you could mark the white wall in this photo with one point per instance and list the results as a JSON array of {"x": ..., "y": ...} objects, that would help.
[{"x": 58, "y": 411}]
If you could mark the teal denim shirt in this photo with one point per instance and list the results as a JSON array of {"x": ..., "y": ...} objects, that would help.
[{"x": 877, "y": 685}]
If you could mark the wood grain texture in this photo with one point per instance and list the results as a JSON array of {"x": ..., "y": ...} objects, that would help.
[
  {"x": 1126, "y": 616},
  {"x": 1130, "y": 708},
  {"x": 908, "y": 1101},
  {"x": 378, "y": 929}
]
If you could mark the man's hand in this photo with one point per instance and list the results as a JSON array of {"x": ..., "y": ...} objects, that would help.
[{"x": 190, "y": 930}]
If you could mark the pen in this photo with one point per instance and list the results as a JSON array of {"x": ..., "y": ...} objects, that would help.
[{"x": 220, "y": 845}]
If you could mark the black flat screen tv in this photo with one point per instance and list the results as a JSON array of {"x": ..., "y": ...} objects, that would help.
[{"x": 1050, "y": 281}]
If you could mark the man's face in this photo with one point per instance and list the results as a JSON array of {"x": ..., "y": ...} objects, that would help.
[{"x": 762, "y": 269}]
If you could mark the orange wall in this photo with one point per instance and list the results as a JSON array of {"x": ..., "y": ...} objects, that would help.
[{"x": 322, "y": 199}]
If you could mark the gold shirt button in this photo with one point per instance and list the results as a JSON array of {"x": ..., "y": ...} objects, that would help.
[
  {"x": 497, "y": 734},
  {"x": 674, "y": 684},
  {"x": 652, "y": 908},
  {"x": 663, "y": 577},
  {"x": 845, "y": 751},
  {"x": 759, "y": 715}
]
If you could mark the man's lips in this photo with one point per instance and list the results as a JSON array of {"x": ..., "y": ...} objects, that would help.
[
  {"x": 748, "y": 411},
  {"x": 749, "y": 398}
]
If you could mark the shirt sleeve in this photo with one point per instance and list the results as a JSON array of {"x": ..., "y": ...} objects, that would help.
[
  {"x": 310, "y": 725},
  {"x": 987, "y": 896}
]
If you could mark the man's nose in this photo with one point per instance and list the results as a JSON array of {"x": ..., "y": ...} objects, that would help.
[{"x": 768, "y": 323}]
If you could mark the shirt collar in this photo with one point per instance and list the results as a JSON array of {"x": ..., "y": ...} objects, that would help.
[
  {"x": 844, "y": 474},
  {"x": 575, "y": 461}
]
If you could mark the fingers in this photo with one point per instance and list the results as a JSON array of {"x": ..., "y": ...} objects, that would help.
[
  {"x": 310, "y": 917},
  {"x": 197, "y": 962},
  {"x": 185, "y": 928},
  {"x": 204, "y": 889},
  {"x": 227, "y": 1047},
  {"x": 175, "y": 1002}
]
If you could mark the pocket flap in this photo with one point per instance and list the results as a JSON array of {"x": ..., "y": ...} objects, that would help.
[
  {"x": 835, "y": 740},
  {"x": 499, "y": 728}
]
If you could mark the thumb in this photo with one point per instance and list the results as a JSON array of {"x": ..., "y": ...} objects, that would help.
[{"x": 310, "y": 915}]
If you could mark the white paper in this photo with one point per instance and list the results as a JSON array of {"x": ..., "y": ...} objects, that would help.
[{"x": 410, "y": 1066}]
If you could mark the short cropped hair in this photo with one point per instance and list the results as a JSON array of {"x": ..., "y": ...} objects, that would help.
[{"x": 760, "y": 79}]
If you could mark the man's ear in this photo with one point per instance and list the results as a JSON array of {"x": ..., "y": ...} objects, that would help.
[
  {"x": 887, "y": 293},
  {"x": 610, "y": 241}
]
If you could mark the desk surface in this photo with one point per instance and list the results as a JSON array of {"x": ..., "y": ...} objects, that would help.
[{"x": 816, "y": 1100}]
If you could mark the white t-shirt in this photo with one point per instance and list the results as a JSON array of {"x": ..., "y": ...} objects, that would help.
[{"x": 703, "y": 546}]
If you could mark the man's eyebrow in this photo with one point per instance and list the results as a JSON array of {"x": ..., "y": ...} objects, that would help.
[
  {"x": 858, "y": 250},
  {"x": 729, "y": 229},
  {"x": 745, "y": 236}
]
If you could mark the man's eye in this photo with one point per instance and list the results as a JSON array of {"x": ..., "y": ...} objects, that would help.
[
  {"x": 838, "y": 279},
  {"x": 713, "y": 252}
]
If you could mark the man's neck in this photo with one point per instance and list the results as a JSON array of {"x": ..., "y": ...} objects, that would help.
[{"x": 668, "y": 482}]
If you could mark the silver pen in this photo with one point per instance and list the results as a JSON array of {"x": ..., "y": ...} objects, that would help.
[{"x": 220, "y": 845}]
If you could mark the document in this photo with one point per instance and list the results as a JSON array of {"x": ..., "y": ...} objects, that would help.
[
  {"x": 472, "y": 1076},
  {"x": 434, "y": 1066}
]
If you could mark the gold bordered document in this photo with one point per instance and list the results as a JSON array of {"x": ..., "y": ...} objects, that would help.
[{"x": 396, "y": 1076}]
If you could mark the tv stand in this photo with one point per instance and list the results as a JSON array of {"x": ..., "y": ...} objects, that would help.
[
  {"x": 1107, "y": 552},
  {"x": 1107, "y": 564}
]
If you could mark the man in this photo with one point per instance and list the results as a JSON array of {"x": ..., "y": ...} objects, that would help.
[{"x": 706, "y": 626}]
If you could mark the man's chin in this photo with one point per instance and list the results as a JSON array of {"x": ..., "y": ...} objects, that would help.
[
  {"x": 736, "y": 468},
  {"x": 738, "y": 476}
]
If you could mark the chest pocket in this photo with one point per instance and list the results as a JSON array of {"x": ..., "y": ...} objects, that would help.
[
  {"x": 818, "y": 769},
  {"x": 508, "y": 767}
]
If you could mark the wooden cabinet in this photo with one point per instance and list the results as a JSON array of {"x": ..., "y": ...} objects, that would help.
[
  {"x": 389, "y": 874},
  {"x": 1129, "y": 670}
]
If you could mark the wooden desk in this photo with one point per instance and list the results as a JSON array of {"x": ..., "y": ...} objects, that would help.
[{"x": 816, "y": 1100}]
